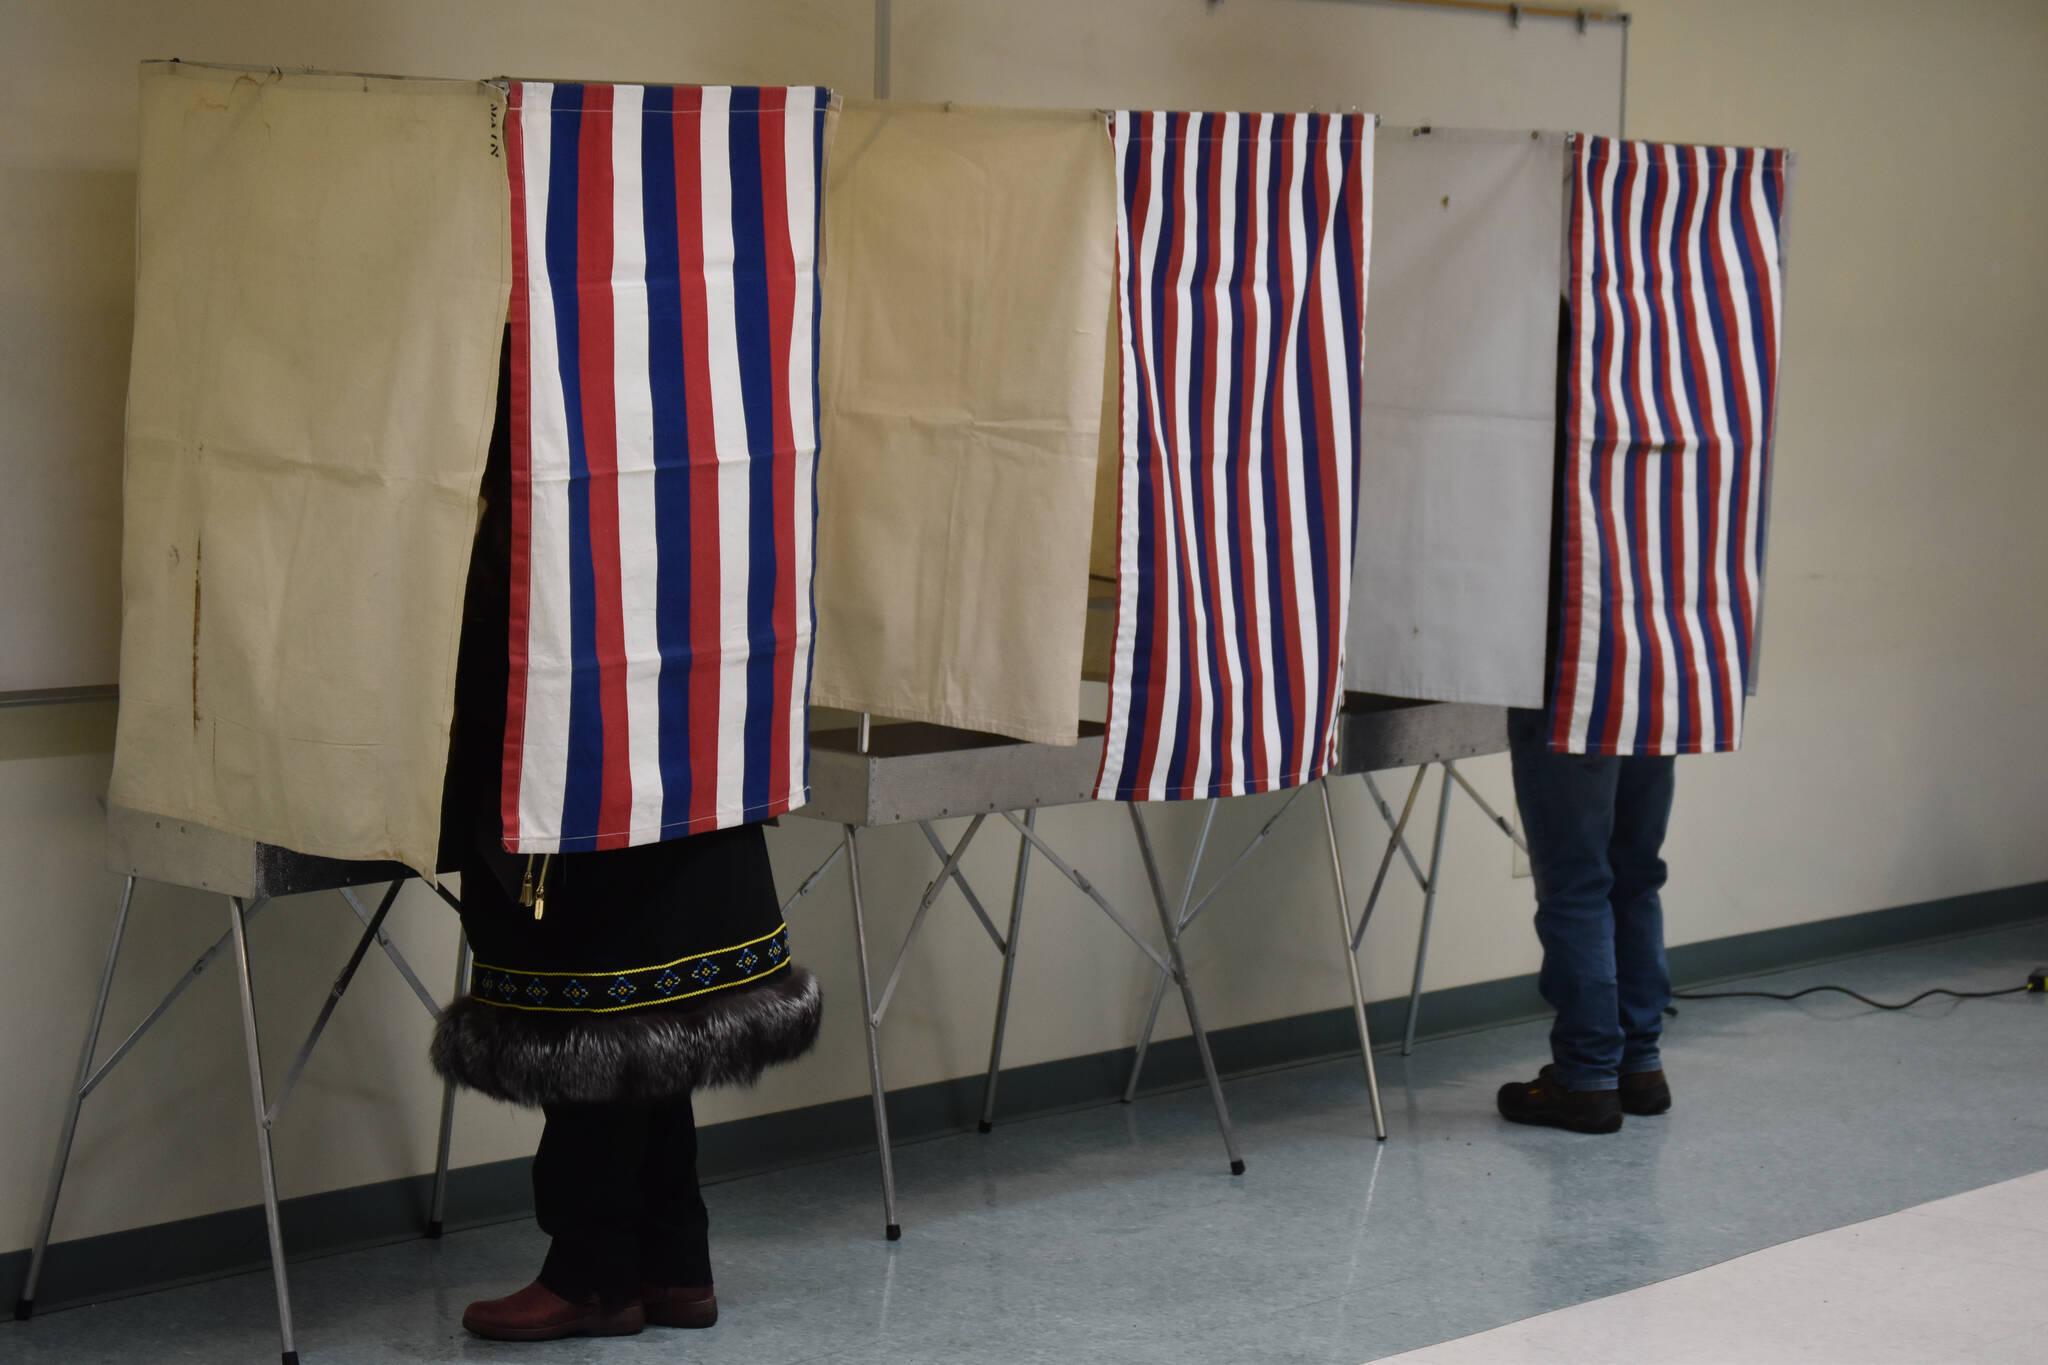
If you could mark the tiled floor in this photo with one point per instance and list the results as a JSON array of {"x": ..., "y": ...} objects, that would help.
[
  {"x": 1116, "y": 1234},
  {"x": 1958, "y": 1279}
]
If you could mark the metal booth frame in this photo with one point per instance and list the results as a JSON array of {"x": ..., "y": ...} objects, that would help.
[
  {"x": 866, "y": 780},
  {"x": 916, "y": 773},
  {"x": 248, "y": 875}
]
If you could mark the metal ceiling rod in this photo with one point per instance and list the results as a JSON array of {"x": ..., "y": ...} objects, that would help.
[{"x": 1515, "y": 13}]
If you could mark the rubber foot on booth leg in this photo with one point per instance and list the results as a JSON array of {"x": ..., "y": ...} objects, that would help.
[
  {"x": 434, "y": 1230},
  {"x": 894, "y": 1232},
  {"x": 24, "y": 1309},
  {"x": 985, "y": 1127},
  {"x": 1237, "y": 1167},
  {"x": 291, "y": 1358}
]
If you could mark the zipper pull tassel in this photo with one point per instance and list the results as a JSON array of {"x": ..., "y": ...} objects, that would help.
[
  {"x": 540, "y": 892},
  {"x": 526, "y": 886}
]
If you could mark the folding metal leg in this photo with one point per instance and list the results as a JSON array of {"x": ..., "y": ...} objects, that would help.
[
  {"x": 1500, "y": 822},
  {"x": 995, "y": 1046},
  {"x": 437, "y": 1206},
  {"x": 817, "y": 874},
  {"x": 1188, "y": 915},
  {"x": 92, "y": 1081},
  {"x": 948, "y": 869},
  {"x": 265, "y": 1110},
  {"x": 328, "y": 1006},
  {"x": 1436, "y": 862},
  {"x": 437, "y": 1210},
  {"x": 412, "y": 978},
  {"x": 260, "y": 1110},
  {"x": 1372, "y": 1079},
  {"x": 1182, "y": 919},
  {"x": 1187, "y": 990},
  {"x": 1145, "y": 1036},
  {"x": 1397, "y": 840},
  {"x": 26, "y": 1303},
  {"x": 948, "y": 858},
  {"x": 1092, "y": 892},
  {"x": 892, "y": 1229}
]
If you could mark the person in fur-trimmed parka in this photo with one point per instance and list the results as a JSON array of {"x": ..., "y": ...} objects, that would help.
[{"x": 607, "y": 987}]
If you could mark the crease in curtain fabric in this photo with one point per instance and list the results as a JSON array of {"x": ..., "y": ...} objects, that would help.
[
  {"x": 966, "y": 304},
  {"x": 1676, "y": 297},
  {"x": 322, "y": 266},
  {"x": 664, "y": 457},
  {"x": 1451, "y": 587},
  {"x": 1242, "y": 252}
]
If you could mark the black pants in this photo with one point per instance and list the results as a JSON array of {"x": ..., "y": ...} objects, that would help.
[{"x": 615, "y": 1186}]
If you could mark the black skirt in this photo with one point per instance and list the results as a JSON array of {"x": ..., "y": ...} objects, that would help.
[{"x": 626, "y": 974}]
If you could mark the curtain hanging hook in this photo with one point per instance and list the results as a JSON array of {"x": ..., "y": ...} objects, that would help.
[
  {"x": 1582, "y": 21},
  {"x": 1514, "y": 16}
]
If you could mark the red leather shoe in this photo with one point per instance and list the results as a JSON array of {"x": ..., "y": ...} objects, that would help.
[
  {"x": 679, "y": 1305},
  {"x": 537, "y": 1313}
]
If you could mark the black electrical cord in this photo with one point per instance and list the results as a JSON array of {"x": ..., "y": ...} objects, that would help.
[{"x": 1844, "y": 990}]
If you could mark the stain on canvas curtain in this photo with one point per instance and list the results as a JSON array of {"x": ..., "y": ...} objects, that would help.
[{"x": 323, "y": 265}]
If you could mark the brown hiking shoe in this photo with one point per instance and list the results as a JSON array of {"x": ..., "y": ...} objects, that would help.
[
  {"x": 537, "y": 1313},
  {"x": 1646, "y": 1092},
  {"x": 1546, "y": 1103},
  {"x": 679, "y": 1305}
]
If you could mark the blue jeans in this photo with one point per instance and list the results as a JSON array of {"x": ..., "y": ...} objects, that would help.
[{"x": 1595, "y": 827}]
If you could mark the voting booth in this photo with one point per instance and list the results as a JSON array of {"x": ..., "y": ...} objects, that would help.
[{"x": 1276, "y": 421}]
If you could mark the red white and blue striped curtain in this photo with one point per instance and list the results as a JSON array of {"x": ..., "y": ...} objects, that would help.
[
  {"x": 664, "y": 411},
  {"x": 1242, "y": 247},
  {"x": 1671, "y": 385}
]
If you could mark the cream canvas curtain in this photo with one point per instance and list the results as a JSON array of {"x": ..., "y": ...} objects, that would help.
[
  {"x": 967, "y": 266},
  {"x": 322, "y": 276}
]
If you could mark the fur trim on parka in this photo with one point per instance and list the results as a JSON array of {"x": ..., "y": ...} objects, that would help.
[{"x": 532, "y": 1058}]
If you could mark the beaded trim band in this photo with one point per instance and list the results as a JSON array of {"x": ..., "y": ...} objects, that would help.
[{"x": 608, "y": 992}]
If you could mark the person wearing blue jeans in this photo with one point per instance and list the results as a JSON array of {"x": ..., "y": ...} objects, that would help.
[{"x": 1595, "y": 827}]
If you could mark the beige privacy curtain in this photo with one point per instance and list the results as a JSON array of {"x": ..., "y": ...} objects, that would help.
[
  {"x": 1450, "y": 582},
  {"x": 1098, "y": 649},
  {"x": 321, "y": 281},
  {"x": 968, "y": 255}
]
